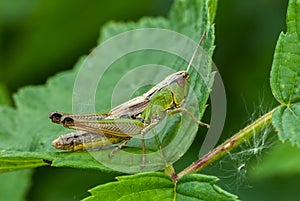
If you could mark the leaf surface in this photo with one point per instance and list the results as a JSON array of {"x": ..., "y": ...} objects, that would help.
[
  {"x": 158, "y": 186},
  {"x": 285, "y": 78}
]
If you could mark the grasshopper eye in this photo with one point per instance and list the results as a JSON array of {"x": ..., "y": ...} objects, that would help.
[
  {"x": 186, "y": 75},
  {"x": 55, "y": 117}
]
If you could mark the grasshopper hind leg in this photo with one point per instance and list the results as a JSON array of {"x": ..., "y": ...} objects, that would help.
[
  {"x": 120, "y": 146},
  {"x": 144, "y": 131}
]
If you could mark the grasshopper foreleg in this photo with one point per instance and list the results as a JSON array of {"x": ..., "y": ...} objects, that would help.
[{"x": 178, "y": 110}]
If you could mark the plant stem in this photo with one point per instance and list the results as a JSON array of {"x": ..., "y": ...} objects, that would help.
[{"x": 233, "y": 142}]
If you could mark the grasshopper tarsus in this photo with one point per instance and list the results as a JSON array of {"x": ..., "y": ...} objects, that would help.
[
  {"x": 144, "y": 151},
  {"x": 143, "y": 161},
  {"x": 204, "y": 124},
  {"x": 111, "y": 154}
]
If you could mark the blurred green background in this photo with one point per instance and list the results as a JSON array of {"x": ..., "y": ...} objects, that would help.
[{"x": 41, "y": 38}]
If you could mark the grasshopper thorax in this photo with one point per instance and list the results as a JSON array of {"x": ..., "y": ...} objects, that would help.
[
  {"x": 179, "y": 85},
  {"x": 171, "y": 92}
]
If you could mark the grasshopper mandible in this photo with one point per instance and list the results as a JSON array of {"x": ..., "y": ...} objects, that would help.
[{"x": 134, "y": 117}]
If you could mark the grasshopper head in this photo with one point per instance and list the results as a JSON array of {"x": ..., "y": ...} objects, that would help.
[
  {"x": 58, "y": 143},
  {"x": 65, "y": 142}
]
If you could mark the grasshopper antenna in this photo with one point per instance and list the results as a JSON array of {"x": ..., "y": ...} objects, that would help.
[{"x": 195, "y": 51}]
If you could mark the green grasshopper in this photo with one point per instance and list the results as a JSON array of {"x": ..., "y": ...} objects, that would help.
[{"x": 134, "y": 117}]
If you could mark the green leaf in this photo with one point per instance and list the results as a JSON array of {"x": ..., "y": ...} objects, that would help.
[
  {"x": 285, "y": 77},
  {"x": 212, "y": 7},
  {"x": 286, "y": 121},
  {"x": 12, "y": 160},
  {"x": 26, "y": 132},
  {"x": 16, "y": 163},
  {"x": 285, "y": 73},
  {"x": 158, "y": 186}
]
